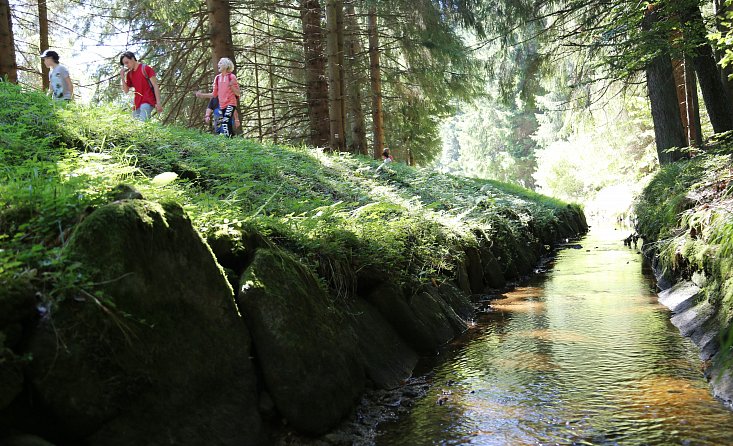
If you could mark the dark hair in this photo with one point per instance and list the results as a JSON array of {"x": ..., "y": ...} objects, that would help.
[
  {"x": 52, "y": 54},
  {"x": 129, "y": 54}
]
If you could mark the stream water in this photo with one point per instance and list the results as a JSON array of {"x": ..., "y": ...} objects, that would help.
[{"x": 582, "y": 355}]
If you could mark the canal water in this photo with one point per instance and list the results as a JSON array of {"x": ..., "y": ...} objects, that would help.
[{"x": 582, "y": 355}]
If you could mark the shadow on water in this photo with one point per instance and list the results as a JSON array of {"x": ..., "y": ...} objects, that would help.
[{"x": 583, "y": 354}]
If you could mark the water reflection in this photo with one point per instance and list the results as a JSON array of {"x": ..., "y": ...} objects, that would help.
[{"x": 583, "y": 355}]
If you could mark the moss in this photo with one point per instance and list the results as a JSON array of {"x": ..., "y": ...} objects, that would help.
[
  {"x": 685, "y": 216},
  {"x": 306, "y": 350}
]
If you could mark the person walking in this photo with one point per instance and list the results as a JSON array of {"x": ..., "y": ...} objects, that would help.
[
  {"x": 212, "y": 116},
  {"x": 60, "y": 86},
  {"x": 226, "y": 89},
  {"x": 140, "y": 77}
]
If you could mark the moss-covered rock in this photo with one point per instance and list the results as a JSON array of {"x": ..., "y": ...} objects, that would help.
[
  {"x": 491, "y": 270},
  {"x": 474, "y": 270},
  {"x": 388, "y": 360},
  {"x": 305, "y": 347},
  {"x": 24, "y": 440},
  {"x": 457, "y": 301},
  {"x": 17, "y": 301},
  {"x": 161, "y": 356},
  {"x": 11, "y": 375},
  {"x": 420, "y": 319}
]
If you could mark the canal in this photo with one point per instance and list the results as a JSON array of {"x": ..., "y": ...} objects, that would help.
[{"x": 583, "y": 354}]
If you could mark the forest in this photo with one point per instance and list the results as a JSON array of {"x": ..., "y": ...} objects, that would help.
[
  {"x": 542, "y": 94},
  {"x": 289, "y": 286}
]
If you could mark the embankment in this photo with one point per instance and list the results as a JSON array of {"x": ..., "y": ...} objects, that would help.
[
  {"x": 228, "y": 288},
  {"x": 686, "y": 219}
]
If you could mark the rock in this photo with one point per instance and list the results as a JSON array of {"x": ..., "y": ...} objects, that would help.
[
  {"x": 419, "y": 319},
  {"x": 305, "y": 347},
  {"x": 163, "y": 356},
  {"x": 24, "y": 440},
  {"x": 721, "y": 379},
  {"x": 462, "y": 279},
  {"x": 698, "y": 322},
  {"x": 458, "y": 302},
  {"x": 11, "y": 375},
  {"x": 17, "y": 301},
  {"x": 475, "y": 270},
  {"x": 388, "y": 360},
  {"x": 124, "y": 192},
  {"x": 680, "y": 297},
  {"x": 493, "y": 276}
]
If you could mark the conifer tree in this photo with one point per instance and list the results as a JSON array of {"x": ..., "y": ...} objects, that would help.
[{"x": 8, "y": 67}]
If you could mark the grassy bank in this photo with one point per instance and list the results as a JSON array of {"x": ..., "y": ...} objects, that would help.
[
  {"x": 59, "y": 163},
  {"x": 686, "y": 217}
]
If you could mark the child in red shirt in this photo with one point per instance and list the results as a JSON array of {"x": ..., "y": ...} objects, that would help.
[{"x": 141, "y": 77}]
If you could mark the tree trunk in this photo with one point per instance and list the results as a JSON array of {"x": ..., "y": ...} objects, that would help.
[
  {"x": 689, "y": 106},
  {"x": 315, "y": 73},
  {"x": 376, "y": 82},
  {"x": 711, "y": 85},
  {"x": 8, "y": 67},
  {"x": 721, "y": 8},
  {"x": 220, "y": 29},
  {"x": 668, "y": 130},
  {"x": 43, "y": 39},
  {"x": 335, "y": 38},
  {"x": 271, "y": 77},
  {"x": 258, "y": 105},
  {"x": 357, "y": 127}
]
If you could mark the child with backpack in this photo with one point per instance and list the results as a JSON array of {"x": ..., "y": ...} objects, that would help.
[
  {"x": 212, "y": 116},
  {"x": 141, "y": 78},
  {"x": 226, "y": 90}
]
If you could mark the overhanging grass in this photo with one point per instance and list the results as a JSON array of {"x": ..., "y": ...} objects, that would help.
[
  {"x": 413, "y": 222},
  {"x": 686, "y": 211}
]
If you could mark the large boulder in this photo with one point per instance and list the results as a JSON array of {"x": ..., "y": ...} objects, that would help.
[
  {"x": 11, "y": 375},
  {"x": 388, "y": 360},
  {"x": 474, "y": 270},
  {"x": 155, "y": 351},
  {"x": 420, "y": 319},
  {"x": 304, "y": 345},
  {"x": 493, "y": 276}
]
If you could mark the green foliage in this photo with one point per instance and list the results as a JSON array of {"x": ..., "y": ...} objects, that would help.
[
  {"x": 687, "y": 210},
  {"x": 329, "y": 209}
]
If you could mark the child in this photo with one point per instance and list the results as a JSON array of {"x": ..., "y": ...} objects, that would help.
[
  {"x": 386, "y": 158},
  {"x": 213, "y": 116},
  {"x": 60, "y": 85},
  {"x": 226, "y": 89}
]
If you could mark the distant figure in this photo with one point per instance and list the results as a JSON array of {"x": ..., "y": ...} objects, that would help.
[
  {"x": 226, "y": 90},
  {"x": 386, "y": 158},
  {"x": 60, "y": 86},
  {"x": 213, "y": 116},
  {"x": 632, "y": 239},
  {"x": 141, "y": 77}
]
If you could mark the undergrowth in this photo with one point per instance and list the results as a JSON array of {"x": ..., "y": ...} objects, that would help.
[
  {"x": 60, "y": 162},
  {"x": 686, "y": 213}
]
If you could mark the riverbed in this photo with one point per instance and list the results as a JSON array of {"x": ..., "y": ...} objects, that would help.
[{"x": 582, "y": 354}]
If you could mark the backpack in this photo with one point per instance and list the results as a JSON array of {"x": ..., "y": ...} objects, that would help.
[
  {"x": 229, "y": 76},
  {"x": 147, "y": 78}
]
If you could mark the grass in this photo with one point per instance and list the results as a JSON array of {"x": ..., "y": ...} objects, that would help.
[
  {"x": 60, "y": 162},
  {"x": 686, "y": 211}
]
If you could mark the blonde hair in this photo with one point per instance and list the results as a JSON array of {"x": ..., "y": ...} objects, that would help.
[{"x": 228, "y": 62}]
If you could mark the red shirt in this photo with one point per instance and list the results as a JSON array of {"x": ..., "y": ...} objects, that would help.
[
  {"x": 143, "y": 93},
  {"x": 223, "y": 91}
]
